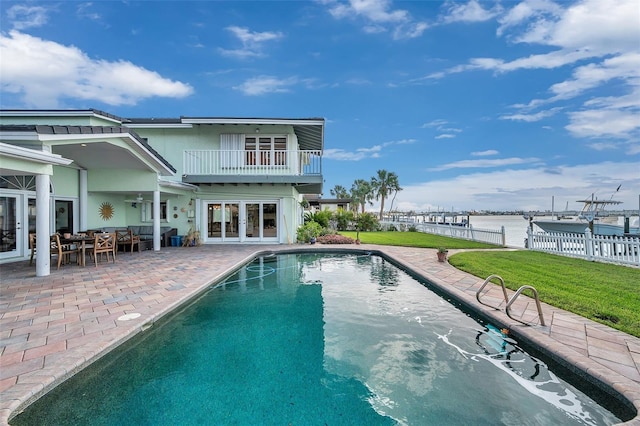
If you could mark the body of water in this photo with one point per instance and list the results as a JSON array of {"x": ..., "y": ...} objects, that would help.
[{"x": 515, "y": 227}]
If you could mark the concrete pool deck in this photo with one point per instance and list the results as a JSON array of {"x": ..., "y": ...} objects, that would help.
[{"x": 51, "y": 327}]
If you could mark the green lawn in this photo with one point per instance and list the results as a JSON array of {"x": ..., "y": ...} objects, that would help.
[
  {"x": 416, "y": 239},
  {"x": 606, "y": 293}
]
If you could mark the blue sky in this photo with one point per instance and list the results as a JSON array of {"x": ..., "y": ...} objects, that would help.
[{"x": 474, "y": 105}]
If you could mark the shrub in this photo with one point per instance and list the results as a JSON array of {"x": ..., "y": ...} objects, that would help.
[
  {"x": 308, "y": 230},
  {"x": 367, "y": 222},
  {"x": 335, "y": 239},
  {"x": 321, "y": 218},
  {"x": 343, "y": 218}
]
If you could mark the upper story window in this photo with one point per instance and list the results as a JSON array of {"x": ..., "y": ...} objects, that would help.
[{"x": 265, "y": 150}]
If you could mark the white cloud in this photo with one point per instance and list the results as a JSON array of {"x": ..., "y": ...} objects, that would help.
[
  {"x": 536, "y": 14},
  {"x": 435, "y": 123},
  {"x": 23, "y": 17},
  {"x": 84, "y": 12},
  {"x": 378, "y": 16},
  {"x": 44, "y": 72},
  {"x": 342, "y": 155},
  {"x": 484, "y": 153},
  {"x": 498, "y": 162},
  {"x": 467, "y": 12},
  {"x": 529, "y": 118},
  {"x": 265, "y": 84},
  {"x": 252, "y": 42},
  {"x": 604, "y": 123},
  {"x": 362, "y": 153},
  {"x": 440, "y": 126}
]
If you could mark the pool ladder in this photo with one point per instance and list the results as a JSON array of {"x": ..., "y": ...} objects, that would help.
[{"x": 508, "y": 301}]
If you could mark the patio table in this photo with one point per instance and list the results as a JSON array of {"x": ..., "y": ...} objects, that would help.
[{"x": 78, "y": 239}]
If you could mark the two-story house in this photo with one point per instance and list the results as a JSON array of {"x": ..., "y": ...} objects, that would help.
[{"x": 235, "y": 180}]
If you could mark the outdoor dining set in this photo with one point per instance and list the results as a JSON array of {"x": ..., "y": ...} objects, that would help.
[{"x": 95, "y": 244}]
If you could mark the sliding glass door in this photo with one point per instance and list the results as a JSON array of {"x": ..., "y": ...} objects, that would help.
[{"x": 250, "y": 221}]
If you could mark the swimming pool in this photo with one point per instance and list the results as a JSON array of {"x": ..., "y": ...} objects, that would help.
[{"x": 315, "y": 339}]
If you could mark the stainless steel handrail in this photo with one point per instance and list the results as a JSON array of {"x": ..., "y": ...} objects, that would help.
[
  {"x": 508, "y": 301},
  {"x": 487, "y": 281},
  {"x": 535, "y": 297}
]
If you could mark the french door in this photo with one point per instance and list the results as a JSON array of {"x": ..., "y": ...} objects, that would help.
[
  {"x": 242, "y": 221},
  {"x": 11, "y": 229}
]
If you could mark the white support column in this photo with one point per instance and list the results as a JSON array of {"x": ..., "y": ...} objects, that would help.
[
  {"x": 156, "y": 220},
  {"x": 84, "y": 194},
  {"x": 43, "y": 260}
]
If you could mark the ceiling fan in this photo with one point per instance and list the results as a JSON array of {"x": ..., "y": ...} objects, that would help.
[{"x": 134, "y": 201}]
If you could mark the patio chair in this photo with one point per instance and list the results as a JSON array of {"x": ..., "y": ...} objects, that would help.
[
  {"x": 126, "y": 238},
  {"x": 63, "y": 251},
  {"x": 104, "y": 243}
]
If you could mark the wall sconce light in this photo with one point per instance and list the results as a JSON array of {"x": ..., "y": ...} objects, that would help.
[{"x": 257, "y": 130}]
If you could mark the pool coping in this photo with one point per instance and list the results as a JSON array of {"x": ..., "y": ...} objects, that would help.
[{"x": 15, "y": 395}]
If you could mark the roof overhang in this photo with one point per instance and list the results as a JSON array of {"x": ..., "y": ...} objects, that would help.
[
  {"x": 17, "y": 160},
  {"x": 62, "y": 113},
  {"x": 117, "y": 148}
]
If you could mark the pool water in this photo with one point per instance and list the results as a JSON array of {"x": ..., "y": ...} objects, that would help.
[{"x": 315, "y": 339}]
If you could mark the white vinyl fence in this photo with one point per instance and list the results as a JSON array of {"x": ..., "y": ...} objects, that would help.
[
  {"x": 455, "y": 231},
  {"x": 608, "y": 248}
]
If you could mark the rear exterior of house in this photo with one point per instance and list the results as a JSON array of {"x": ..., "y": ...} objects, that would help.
[{"x": 235, "y": 180}]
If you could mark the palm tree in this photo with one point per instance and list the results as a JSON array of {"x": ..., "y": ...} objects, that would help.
[
  {"x": 361, "y": 193},
  {"x": 384, "y": 184},
  {"x": 340, "y": 191}
]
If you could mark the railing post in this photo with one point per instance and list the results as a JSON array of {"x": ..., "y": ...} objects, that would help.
[
  {"x": 529, "y": 243},
  {"x": 502, "y": 232},
  {"x": 588, "y": 244}
]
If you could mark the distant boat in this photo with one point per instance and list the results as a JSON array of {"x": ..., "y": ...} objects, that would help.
[{"x": 591, "y": 216}]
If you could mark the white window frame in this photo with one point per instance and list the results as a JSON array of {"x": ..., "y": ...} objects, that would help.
[{"x": 146, "y": 211}]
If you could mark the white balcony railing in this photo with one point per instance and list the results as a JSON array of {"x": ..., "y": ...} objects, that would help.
[{"x": 248, "y": 163}]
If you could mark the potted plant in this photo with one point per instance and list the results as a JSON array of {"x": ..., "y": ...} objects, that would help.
[
  {"x": 309, "y": 232},
  {"x": 192, "y": 238},
  {"x": 442, "y": 254}
]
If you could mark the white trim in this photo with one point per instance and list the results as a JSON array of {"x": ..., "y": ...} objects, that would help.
[
  {"x": 154, "y": 125},
  {"x": 253, "y": 121},
  {"x": 57, "y": 113},
  {"x": 33, "y": 155},
  {"x": 176, "y": 184}
]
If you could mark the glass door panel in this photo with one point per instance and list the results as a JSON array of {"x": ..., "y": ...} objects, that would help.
[
  {"x": 253, "y": 220},
  {"x": 64, "y": 216},
  {"x": 269, "y": 220},
  {"x": 214, "y": 220},
  {"x": 31, "y": 215},
  {"x": 264, "y": 146},
  {"x": 232, "y": 220},
  {"x": 10, "y": 233}
]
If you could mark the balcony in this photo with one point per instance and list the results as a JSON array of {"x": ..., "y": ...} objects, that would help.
[{"x": 301, "y": 168}]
